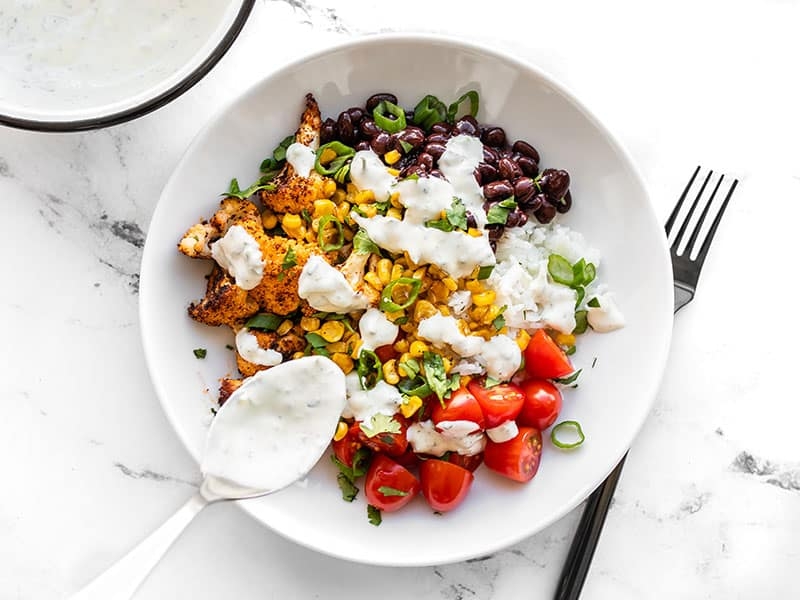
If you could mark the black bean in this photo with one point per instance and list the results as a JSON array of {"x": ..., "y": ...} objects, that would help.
[
  {"x": 545, "y": 213},
  {"x": 565, "y": 203},
  {"x": 526, "y": 149},
  {"x": 356, "y": 114},
  {"x": 328, "y": 131},
  {"x": 466, "y": 125},
  {"x": 490, "y": 156},
  {"x": 437, "y": 138},
  {"x": 471, "y": 222},
  {"x": 441, "y": 127},
  {"x": 414, "y": 169},
  {"x": 381, "y": 143},
  {"x": 508, "y": 169},
  {"x": 376, "y": 99},
  {"x": 437, "y": 173},
  {"x": 362, "y": 145},
  {"x": 497, "y": 190},
  {"x": 535, "y": 202},
  {"x": 495, "y": 232},
  {"x": 555, "y": 182},
  {"x": 485, "y": 173},
  {"x": 347, "y": 132},
  {"x": 494, "y": 136},
  {"x": 412, "y": 135},
  {"x": 528, "y": 165},
  {"x": 368, "y": 128},
  {"x": 426, "y": 160},
  {"x": 435, "y": 150},
  {"x": 516, "y": 218},
  {"x": 524, "y": 189},
  {"x": 409, "y": 116}
]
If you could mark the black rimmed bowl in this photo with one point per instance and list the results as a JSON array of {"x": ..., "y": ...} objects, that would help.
[{"x": 86, "y": 66}]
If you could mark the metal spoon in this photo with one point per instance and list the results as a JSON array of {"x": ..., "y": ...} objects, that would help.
[{"x": 122, "y": 580}]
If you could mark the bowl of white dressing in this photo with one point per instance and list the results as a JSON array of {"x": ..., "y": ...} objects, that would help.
[{"x": 86, "y": 64}]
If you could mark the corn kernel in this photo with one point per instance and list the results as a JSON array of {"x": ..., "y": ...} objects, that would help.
[
  {"x": 309, "y": 323},
  {"x": 450, "y": 283},
  {"x": 344, "y": 362},
  {"x": 391, "y": 157},
  {"x": 383, "y": 269},
  {"x": 370, "y": 210},
  {"x": 390, "y": 375},
  {"x": 484, "y": 298},
  {"x": 297, "y": 355},
  {"x": 374, "y": 280},
  {"x": 464, "y": 380},
  {"x": 417, "y": 349},
  {"x": 334, "y": 347},
  {"x": 351, "y": 188},
  {"x": 395, "y": 213},
  {"x": 343, "y": 210},
  {"x": 355, "y": 342},
  {"x": 393, "y": 172},
  {"x": 364, "y": 196},
  {"x": 565, "y": 339},
  {"x": 331, "y": 331},
  {"x": 408, "y": 327},
  {"x": 397, "y": 271},
  {"x": 447, "y": 364},
  {"x": 323, "y": 207},
  {"x": 327, "y": 156},
  {"x": 411, "y": 405},
  {"x": 478, "y": 313},
  {"x": 523, "y": 338},
  {"x": 492, "y": 313},
  {"x": 404, "y": 357},
  {"x": 419, "y": 273},
  {"x": 341, "y": 431},
  {"x": 439, "y": 291},
  {"x": 339, "y": 196},
  {"x": 268, "y": 219},
  {"x": 444, "y": 310},
  {"x": 474, "y": 232},
  {"x": 394, "y": 199},
  {"x": 474, "y": 286},
  {"x": 284, "y": 327},
  {"x": 423, "y": 309},
  {"x": 401, "y": 346},
  {"x": 291, "y": 221},
  {"x": 329, "y": 188}
]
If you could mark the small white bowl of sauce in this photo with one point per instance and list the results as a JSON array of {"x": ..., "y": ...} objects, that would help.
[{"x": 86, "y": 64}]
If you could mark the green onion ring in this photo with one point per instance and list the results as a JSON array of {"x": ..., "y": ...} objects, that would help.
[
  {"x": 428, "y": 111},
  {"x": 472, "y": 96},
  {"x": 567, "y": 446},
  {"x": 343, "y": 154},
  {"x": 379, "y": 115},
  {"x": 369, "y": 369}
]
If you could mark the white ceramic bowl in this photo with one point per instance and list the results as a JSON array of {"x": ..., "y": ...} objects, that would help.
[
  {"x": 622, "y": 370},
  {"x": 84, "y": 65}
]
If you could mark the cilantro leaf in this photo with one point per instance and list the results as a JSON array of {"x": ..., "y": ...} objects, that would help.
[
  {"x": 349, "y": 489},
  {"x": 235, "y": 192},
  {"x": 498, "y": 213},
  {"x": 457, "y": 214},
  {"x": 435, "y": 375},
  {"x": 362, "y": 244},
  {"x": 390, "y": 491},
  {"x": 569, "y": 379},
  {"x": 380, "y": 423},
  {"x": 264, "y": 322},
  {"x": 289, "y": 261},
  {"x": 374, "y": 515},
  {"x": 200, "y": 352}
]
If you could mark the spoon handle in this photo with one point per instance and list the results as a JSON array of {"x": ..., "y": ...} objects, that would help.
[{"x": 123, "y": 578}]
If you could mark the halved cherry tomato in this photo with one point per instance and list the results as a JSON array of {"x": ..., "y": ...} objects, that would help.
[
  {"x": 461, "y": 406},
  {"x": 345, "y": 448},
  {"x": 444, "y": 484},
  {"x": 499, "y": 403},
  {"x": 393, "y": 444},
  {"x": 470, "y": 463},
  {"x": 542, "y": 404},
  {"x": 386, "y": 353},
  {"x": 518, "y": 458},
  {"x": 544, "y": 359},
  {"x": 389, "y": 486}
]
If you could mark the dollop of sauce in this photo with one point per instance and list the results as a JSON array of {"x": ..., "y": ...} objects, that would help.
[
  {"x": 249, "y": 349},
  {"x": 507, "y": 430},
  {"x": 606, "y": 317},
  {"x": 362, "y": 404},
  {"x": 274, "y": 428},
  {"x": 326, "y": 289},
  {"x": 458, "y": 162},
  {"x": 301, "y": 157},
  {"x": 367, "y": 172},
  {"x": 376, "y": 330},
  {"x": 240, "y": 255},
  {"x": 460, "y": 437}
]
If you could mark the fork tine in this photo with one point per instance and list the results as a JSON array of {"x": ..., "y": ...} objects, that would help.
[
  {"x": 689, "y": 215},
  {"x": 701, "y": 220},
  {"x": 679, "y": 204},
  {"x": 701, "y": 255}
]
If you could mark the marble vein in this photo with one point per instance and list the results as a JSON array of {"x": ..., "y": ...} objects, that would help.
[
  {"x": 152, "y": 475},
  {"x": 784, "y": 476}
]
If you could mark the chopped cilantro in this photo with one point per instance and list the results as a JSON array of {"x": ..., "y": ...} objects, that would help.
[
  {"x": 374, "y": 515},
  {"x": 289, "y": 261},
  {"x": 264, "y": 322},
  {"x": 498, "y": 213},
  {"x": 569, "y": 379},
  {"x": 380, "y": 423},
  {"x": 235, "y": 192},
  {"x": 200, "y": 352},
  {"x": 390, "y": 491},
  {"x": 363, "y": 245},
  {"x": 349, "y": 489},
  {"x": 455, "y": 218},
  {"x": 499, "y": 321}
]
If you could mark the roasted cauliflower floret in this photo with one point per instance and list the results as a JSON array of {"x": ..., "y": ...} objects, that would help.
[
  {"x": 283, "y": 262},
  {"x": 353, "y": 271},
  {"x": 225, "y": 303},
  {"x": 196, "y": 242},
  {"x": 287, "y": 345}
]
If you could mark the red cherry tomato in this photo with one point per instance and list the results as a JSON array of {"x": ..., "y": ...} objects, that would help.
[
  {"x": 386, "y": 353},
  {"x": 518, "y": 458},
  {"x": 499, "y": 403},
  {"x": 542, "y": 404},
  {"x": 444, "y": 484},
  {"x": 470, "y": 463},
  {"x": 544, "y": 359},
  {"x": 345, "y": 448},
  {"x": 461, "y": 406},
  {"x": 393, "y": 444},
  {"x": 389, "y": 486}
]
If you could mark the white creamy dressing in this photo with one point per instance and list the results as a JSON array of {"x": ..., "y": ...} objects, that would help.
[
  {"x": 367, "y": 172},
  {"x": 503, "y": 432},
  {"x": 459, "y": 436},
  {"x": 606, "y": 317},
  {"x": 326, "y": 289},
  {"x": 240, "y": 255},
  {"x": 301, "y": 157},
  {"x": 376, "y": 330},
  {"x": 458, "y": 162},
  {"x": 249, "y": 349},
  {"x": 81, "y": 53},
  {"x": 362, "y": 404},
  {"x": 500, "y": 356},
  {"x": 274, "y": 428}
]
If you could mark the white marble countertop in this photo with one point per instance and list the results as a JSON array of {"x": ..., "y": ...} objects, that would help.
[{"x": 709, "y": 503}]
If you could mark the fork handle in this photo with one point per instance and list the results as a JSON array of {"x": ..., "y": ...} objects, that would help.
[{"x": 584, "y": 544}]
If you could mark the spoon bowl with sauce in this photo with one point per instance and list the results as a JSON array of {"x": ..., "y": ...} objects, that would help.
[{"x": 265, "y": 437}]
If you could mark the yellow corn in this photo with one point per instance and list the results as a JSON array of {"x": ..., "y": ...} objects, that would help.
[
  {"x": 401, "y": 346},
  {"x": 342, "y": 210},
  {"x": 370, "y": 210},
  {"x": 423, "y": 309},
  {"x": 439, "y": 291},
  {"x": 268, "y": 219},
  {"x": 565, "y": 339},
  {"x": 478, "y": 313},
  {"x": 410, "y": 406},
  {"x": 339, "y": 196},
  {"x": 364, "y": 196},
  {"x": 323, "y": 208},
  {"x": 309, "y": 323},
  {"x": 355, "y": 341},
  {"x": 331, "y": 331},
  {"x": 474, "y": 232},
  {"x": 329, "y": 188},
  {"x": 291, "y": 221},
  {"x": 284, "y": 327},
  {"x": 474, "y": 286},
  {"x": 393, "y": 172},
  {"x": 484, "y": 298},
  {"x": 405, "y": 356},
  {"x": 390, "y": 375},
  {"x": 344, "y": 362},
  {"x": 394, "y": 199},
  {"x": 327, "y": 156},
  {"x": 334, "y": 347},
  {"x": 419, "y": 273},
  {"x": 447, "y": 364},
  {"x": 444, "y": 310},
  {"x": 417, "y": 349},
  {"x": 523, "y": 338},
  {"x": 395, "y": 213},
  {"x": 374, "y": 280},
  {"x": 492, "y": 313},
  {"x": 297, "y": 355},
  {"x": 397, "y": 271},
  {"x": 391, "y": 157},
  {"x": 341, "y": 431},
  {"x": 450, "y": 283},
  {"x": 384, "y": 270}
]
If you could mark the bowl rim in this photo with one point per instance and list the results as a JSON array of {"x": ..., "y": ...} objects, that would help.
[{"x": 148, "y": 106}]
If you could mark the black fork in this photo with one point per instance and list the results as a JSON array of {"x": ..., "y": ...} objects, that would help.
[{"x": 687, "y": 261}]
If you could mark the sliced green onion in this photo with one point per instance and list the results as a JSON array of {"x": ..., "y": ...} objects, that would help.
[
  {"x": 414, "y": 387},
  {"x": 485, "y": 272},
  {"x": 594, "y": 303},
  {"x": 279, "y": 153},
  {"x": 199, "y": 352},
  {"x": 343, "y": 154},
  {"x": 428, "y": 111},
  {"x": 381, "y": 116},
  {"x": 560, "y": 270},
  {"x": 387, "y": 303},
  {"x": 589, "y": 273},
  {"x": 342, "y": 175},
  {"x": 474, "y": 103},
  {"x": 264, "y": 322},
  {"x": 581, "y": 321},
  {"x": 339, "y": 242},
  {"x": 369, "y": 369},
  {"x": 576, "y": 428}
]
